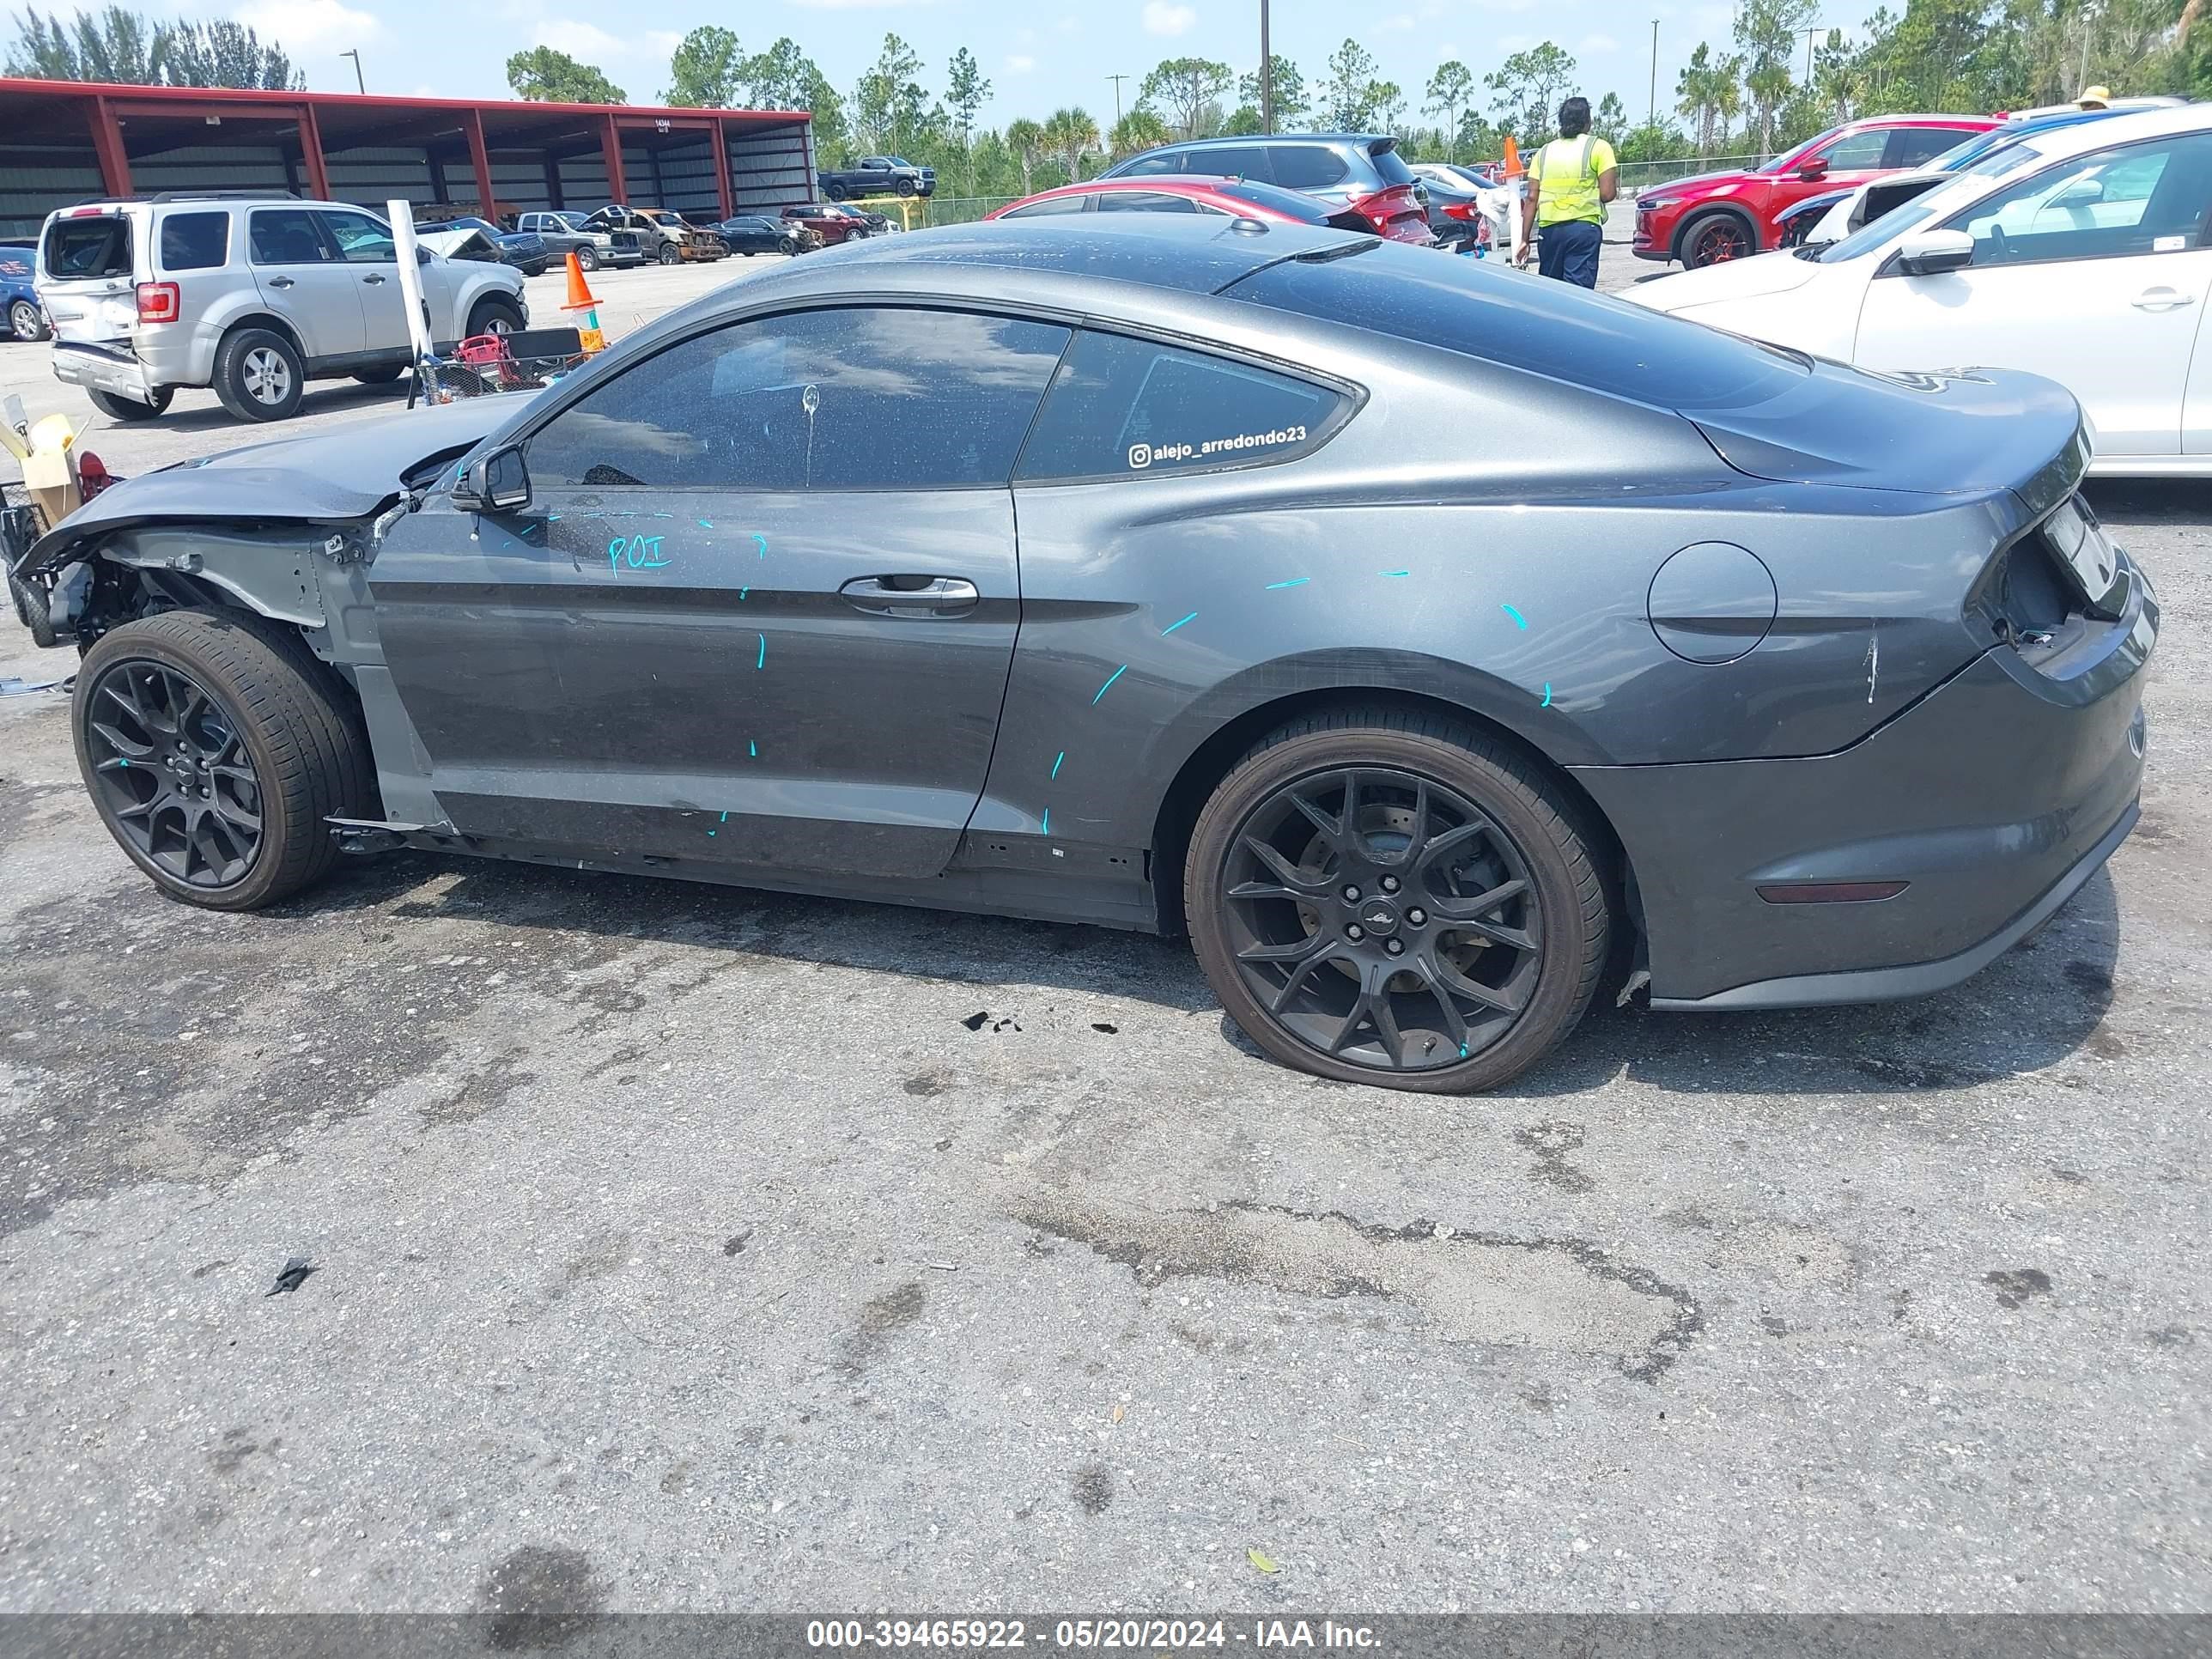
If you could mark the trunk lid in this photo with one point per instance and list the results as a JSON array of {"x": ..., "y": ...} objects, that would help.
[{"x": 1955, "y": 432}]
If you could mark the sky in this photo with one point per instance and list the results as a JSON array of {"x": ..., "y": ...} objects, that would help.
[{"x": 1039, "y": 54}]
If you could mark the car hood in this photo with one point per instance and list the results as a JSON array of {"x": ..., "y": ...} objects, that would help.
[
  {"x": 331, "y": 478},
  {"x": 1754, "y": 278},
  {"x": 1698, "y": 184},
  {"x": 1954, "y": 432}
]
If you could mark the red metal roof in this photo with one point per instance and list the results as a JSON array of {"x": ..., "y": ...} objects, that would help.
[{"x": 330, "y": 105}]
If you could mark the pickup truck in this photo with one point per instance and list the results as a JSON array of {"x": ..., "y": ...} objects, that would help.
[
  {"x": 879, "y": 175},
  {"x": 594, "y": 246},
  {"x": 662, "y": 234}
]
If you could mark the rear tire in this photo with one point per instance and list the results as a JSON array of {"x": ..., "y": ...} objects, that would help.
[
  {"x": 382, "y": 374},
  {"x": 31, "y": 604},
  {"x": 259, "y": 375},
  {"x": 587, "y": 258},
  {"x": 129, "y": 409},
  {"x": 27, "y": 322},
  {"x": 1505, "y": 980},
  {"x": 223, "y": 704}
]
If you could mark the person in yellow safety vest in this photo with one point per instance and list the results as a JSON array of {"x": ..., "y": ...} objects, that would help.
[{"x": 1569, "y": 181}]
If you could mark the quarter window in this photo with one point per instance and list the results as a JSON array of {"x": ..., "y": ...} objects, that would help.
[
  {"x": 1120, "y": 406},
  {"x": 888, "y": 397},
  {"x": 195, "y": 242},
  {"x": 285, "y": 236},
  {"x": 2140, "y": 199}
]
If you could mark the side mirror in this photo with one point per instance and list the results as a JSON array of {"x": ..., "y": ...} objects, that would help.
[
  {"x": 422, "y": 256},
  {"x": 1935, "y": 251},
  {"x": 1814, "y": 171},
  {"x": 497, "y": 482}
]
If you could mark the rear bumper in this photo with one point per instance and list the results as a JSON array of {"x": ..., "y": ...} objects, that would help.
[
  {"x": 104, "y": 368},
  {"x": 1994, "y": 797}
]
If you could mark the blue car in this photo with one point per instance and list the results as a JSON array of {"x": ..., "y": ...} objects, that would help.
[
  {"x": 25, "y": 318},
  {"x": 1796, "y": 222}
]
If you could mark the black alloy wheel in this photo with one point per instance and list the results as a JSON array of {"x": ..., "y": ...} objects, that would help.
[
  {"x": 1383, "y": 919},
  {"x": 1716, "y": 241},
  {"x": 172, "y": 775},
  {"x": 1390, "y": 897}
]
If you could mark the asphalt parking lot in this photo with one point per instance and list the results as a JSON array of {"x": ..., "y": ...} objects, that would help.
[{"x": 683, "y": 1248}]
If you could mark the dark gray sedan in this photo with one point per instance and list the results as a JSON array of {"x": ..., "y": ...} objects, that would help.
[{"x": 1435, "y": 645}]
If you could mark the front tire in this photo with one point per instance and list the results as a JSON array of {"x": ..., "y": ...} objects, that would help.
[
  {"x": 495, "y": 315},
  {"x": 1345, "y": 834},
  {"x": 129, "y": 409},
  {"x": 259, "y": 375},
  {"x": 670, "y": 254},
  {"x": 834, "y": 192},
  {"x": 1716, "y": 239},
  {"x": 787, "y": 247},
  {"x": 214, "y": 750},
  {"x": 905, "y": 187}
]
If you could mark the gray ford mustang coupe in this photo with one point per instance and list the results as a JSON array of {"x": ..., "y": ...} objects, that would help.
[{"x": 1430, "y": 643}]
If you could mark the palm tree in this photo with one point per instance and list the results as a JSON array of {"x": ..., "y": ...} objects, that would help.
[
  {"x": 1068, "y": 133},
  {"x": 1026, "y": 139}
]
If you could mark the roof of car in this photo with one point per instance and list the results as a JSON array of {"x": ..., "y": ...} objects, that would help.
[
  {"x": 1211, "y": 253},
  {"x": 1273, "y": 138}
]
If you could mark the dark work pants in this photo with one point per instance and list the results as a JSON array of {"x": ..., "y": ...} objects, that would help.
[{"x": 1569, "y": 251}]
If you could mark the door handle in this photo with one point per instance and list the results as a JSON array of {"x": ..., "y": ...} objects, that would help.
[
  {"x": 2162, "y": 299},
  {"x": 280, "y": 282},
  {"x": 911, "y": 596},
  {"x": 374, "y": 280}
]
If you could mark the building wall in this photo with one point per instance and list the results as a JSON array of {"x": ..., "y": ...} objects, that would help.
[{"x": 36, "y": 179}]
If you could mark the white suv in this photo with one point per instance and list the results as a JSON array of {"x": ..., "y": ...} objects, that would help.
[{"x": 253, "y": 295}]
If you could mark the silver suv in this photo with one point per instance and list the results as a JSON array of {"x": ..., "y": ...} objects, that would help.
[{"x": 253, "y": 295}]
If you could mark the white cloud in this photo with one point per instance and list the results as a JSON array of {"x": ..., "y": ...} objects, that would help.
[
  {"x": 1163, "y": 18},
  {"x": 1402, "y": 21},
  {"x": 1591, "y": 46},
  {"x": 856, "y": 5},
  {"x": 301, "y": 26},
  {"x": 577, "y": 38},
  {"x": 1020, "y": 64},
  {"x": 663, "y": 42}
]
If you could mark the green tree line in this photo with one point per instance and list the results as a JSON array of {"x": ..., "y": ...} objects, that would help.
[{"x": 1776, "y": 79}]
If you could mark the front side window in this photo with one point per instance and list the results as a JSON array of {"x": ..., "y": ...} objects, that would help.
[
  {"x": 2136, "y": 199},
  {"x": 1309, "y": 166},
  {"x": 1854, "y": 152},
  {"x": 285, "y": 236},
  {"x": 362, "y": 241},
  {"x": 1121, "y": 407},
  {"x": 195, "y": 242},
  {"x": 877, "y": 398},
  {"x": 1047, "y": 208}
]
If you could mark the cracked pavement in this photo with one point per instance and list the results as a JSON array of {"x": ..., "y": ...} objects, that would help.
[{"x": 680, "y": 1247}]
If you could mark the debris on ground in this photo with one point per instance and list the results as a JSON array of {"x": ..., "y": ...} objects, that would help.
[
  {"x": 1261, "y": 1560},
  {"x": 294, "y": 1275},
  {"x": 976, "y": 1021},
  {"x": 1106, "y": 1026}
]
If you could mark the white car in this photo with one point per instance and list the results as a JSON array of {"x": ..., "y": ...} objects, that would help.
[{"x": 2080, "y": 254}]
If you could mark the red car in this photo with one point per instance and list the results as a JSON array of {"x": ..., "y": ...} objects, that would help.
[
  {"x": 1731, "y": 216},
  {"x": 825, "y": 221},
  {"x": 1237, "y": 199}
]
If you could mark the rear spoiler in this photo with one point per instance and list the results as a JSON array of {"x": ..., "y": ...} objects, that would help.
[{"x": 1382, "y": 146}]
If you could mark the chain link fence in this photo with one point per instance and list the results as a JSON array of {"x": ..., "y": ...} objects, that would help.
[{"x": 1637, "y": 177}]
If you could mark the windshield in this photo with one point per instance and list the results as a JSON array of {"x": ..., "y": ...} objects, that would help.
[{"x": 1946, "y": 198}]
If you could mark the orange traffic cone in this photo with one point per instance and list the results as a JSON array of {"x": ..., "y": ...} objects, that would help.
[
  {"x": 1510, "y": 169},
  {"x": 580, "y": 298}
]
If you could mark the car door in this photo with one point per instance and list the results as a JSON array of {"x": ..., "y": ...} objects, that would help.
[
  {"x": 365, "y": 244},
  {"x": 302, "y": 279},
  {"x": 760, "y": 609},
  {"x": 2092, "y": 272}
]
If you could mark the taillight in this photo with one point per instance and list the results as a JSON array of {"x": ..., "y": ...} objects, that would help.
[
  {"x": 1384, "y": 205},
  {"x": 159, "y": 302},
  {"x": 1458, "y": 210}
]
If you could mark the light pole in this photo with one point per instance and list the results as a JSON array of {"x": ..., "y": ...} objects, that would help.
[
  {"x": 1117, "y": 80},
  {"x": 360, "y": 85},
  {"x": 1651, "y": 118},
  {"x": 1267, "y": 75}
]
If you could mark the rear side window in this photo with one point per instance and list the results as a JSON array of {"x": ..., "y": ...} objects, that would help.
[
  {"x": 1310, "y": 166},
  {"x": 1147, "y": 166},
  {"x": 1604, "y": 345},
  {"x": 1912, "y": 147},
  {"x": 195, "y": 242},
  {"x": 865, "y": 397},
  {"x": 89, "y": 247},
  {"x": 1232, "y": 162},
  {"x": 1120, "y": 406},
  {"x": 284, "y": 236},
  {"x": 1144, "y": 201}
]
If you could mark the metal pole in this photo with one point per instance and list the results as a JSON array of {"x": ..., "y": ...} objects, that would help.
[
  {"x": 410, "y": 276},
  {"x": 360, "y": 85},
  {"x": 1267, "y": 75},
  {"x": 1651, "y": 119},
  {"x": 1117, "y": 80}
]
